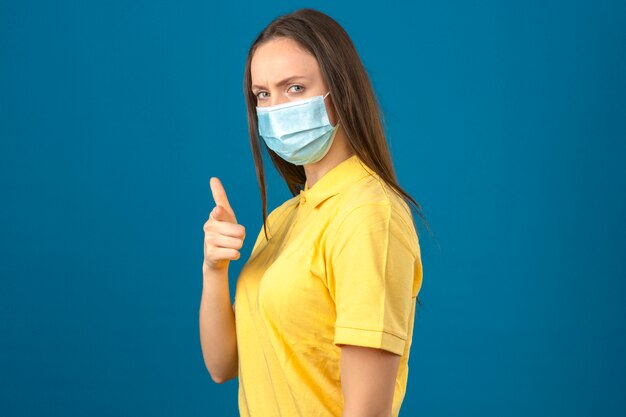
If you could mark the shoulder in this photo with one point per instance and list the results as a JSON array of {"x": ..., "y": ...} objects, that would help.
[
  {"x": 372, "y": 195},
  {"x": 282, "y": 210},
  {"x": 279, "y": 215},
  {"x": 274, "y": 220},
  {"x": 371, "y": 205}
]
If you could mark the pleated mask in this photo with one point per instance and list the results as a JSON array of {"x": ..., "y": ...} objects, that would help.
[{"x": 298, "y": 131}]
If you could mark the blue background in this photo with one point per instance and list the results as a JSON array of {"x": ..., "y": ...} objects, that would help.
[{"x": 506, "y": 121}]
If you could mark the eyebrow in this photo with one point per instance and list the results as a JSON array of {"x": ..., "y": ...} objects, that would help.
[{"x": 283, "y": 82}]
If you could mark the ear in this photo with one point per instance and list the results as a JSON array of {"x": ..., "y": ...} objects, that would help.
[{"x": 330, "y": 109}]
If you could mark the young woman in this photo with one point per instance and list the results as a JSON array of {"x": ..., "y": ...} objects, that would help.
[{"x": 324, "y": 307}]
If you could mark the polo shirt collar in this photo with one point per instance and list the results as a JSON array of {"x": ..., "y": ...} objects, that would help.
[{"x": 342, "y": 175}]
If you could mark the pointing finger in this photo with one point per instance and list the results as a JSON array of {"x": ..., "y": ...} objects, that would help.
[{"x": 219, "y": 196}]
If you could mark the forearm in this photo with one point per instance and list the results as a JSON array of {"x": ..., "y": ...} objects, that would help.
[{"x": 217, "y": 326}]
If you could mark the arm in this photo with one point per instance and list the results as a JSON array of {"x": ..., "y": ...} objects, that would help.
[
  {"x": 371, "y": 271},
  {"x": 368, "y": 378},
  {"x": 223, "y": 237},
  {"x": 217, "y": 327}
]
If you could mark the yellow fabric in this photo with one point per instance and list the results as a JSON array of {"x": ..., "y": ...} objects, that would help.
[{"x": 342, "y": 266}]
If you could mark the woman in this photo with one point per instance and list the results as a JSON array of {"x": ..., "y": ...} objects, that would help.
[{"x": 324, "y": 307}]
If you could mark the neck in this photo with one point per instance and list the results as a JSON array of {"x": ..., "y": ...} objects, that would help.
[{"x": 339, "y": 151}]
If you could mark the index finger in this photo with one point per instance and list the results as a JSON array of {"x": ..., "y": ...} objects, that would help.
[{"x": 219, "y": 194}]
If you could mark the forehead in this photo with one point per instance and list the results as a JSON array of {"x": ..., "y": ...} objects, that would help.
[{"x": 279, "y": 58}]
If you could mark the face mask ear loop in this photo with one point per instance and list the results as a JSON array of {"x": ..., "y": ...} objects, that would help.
[{"x": 327, "y": 93}]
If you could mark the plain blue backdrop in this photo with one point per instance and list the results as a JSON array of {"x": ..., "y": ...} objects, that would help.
[{"x": 506, "y": 121}]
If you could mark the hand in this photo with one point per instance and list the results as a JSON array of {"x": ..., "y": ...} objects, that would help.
[{"x": 223, "y": 236}]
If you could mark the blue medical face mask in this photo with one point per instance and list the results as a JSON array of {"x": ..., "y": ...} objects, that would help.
[{"x": 298, "y": 131}]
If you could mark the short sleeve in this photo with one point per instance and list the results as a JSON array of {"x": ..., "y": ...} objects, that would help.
[{"x": 372, "y": 273}]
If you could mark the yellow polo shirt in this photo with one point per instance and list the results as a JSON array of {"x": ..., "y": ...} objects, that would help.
[{"x": 342, "y": 266}]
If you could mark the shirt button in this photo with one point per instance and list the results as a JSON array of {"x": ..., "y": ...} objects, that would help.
[{"x": 302, "y": 196}]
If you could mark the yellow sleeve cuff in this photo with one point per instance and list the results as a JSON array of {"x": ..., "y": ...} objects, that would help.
[{"x": 369, "y": 338}]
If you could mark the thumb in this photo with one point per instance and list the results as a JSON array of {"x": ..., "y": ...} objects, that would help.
[
  {"x": 220, "y": 198},
  {"x": 220, "y": 213}
]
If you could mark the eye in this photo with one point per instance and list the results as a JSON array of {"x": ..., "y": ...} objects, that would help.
[
  {"x": 259, "y": 93},
  {"x": 297, "y": 85}
]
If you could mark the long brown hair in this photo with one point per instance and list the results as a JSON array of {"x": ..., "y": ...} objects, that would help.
[{"x": 353, "y": 97}]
